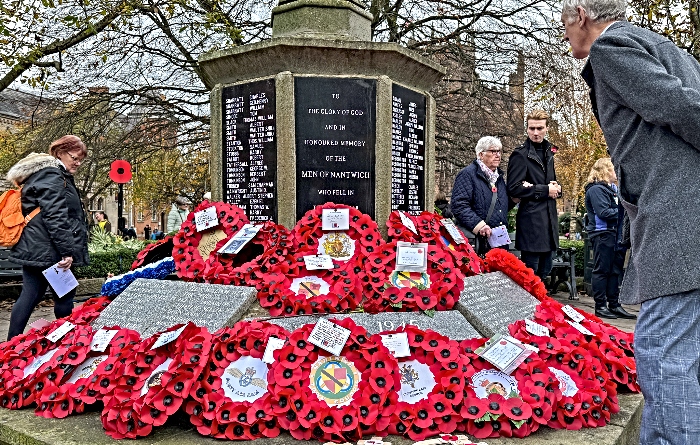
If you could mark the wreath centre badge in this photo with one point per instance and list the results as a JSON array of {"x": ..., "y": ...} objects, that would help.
[
  {"x": 310, "y": 286},
  {"x": 337, "y": 245},
  {"x": 334, "y": 380},
  {"x": 156, "y": 376},
  {"x": 402, "y": 278},
  {"x": 492, "y": 381},
  {"x": 417, "y": 381},
  {"x": 87, "y": 368},
  {"x": 245, "y": 380}
]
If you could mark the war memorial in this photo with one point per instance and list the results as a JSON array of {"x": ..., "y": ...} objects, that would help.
[{"x": 316, "y": 299}]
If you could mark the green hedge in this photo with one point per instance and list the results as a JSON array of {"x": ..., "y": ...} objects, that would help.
[
  {"x": 115, "y": 261},
  {"x": 578, "y": 244}
]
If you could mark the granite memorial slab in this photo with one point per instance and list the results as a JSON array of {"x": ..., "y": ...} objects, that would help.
[
  {"x": 150, "y": 306},
  {"x": 492, "y": 301},
  {"x": 449, "y": 323}
]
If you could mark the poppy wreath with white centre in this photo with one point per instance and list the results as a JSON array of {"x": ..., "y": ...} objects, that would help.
[
  {"x": 189, "y": 264},
  {"x": 86, "y": 381},
  {"x": 38, "y": 362},
  {"x": 310, "y": 291},
  {"x": 435, "y": 362},
  {"x": 340, "y": 398},
  {"x": 494, "y": 409},
  {"x": 401, "y": 291},
  {"x": 155, "y": 382},
  {"x": 231, "y": 395}
]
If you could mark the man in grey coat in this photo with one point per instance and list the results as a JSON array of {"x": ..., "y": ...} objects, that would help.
[{"x": 645, "y": 94}]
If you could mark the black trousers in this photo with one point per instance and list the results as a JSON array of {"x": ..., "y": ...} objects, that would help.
[
  {"x": 605, "y": 277},
  {"x": 539, "y": 262},
  {"x": 34, "y": 287}
]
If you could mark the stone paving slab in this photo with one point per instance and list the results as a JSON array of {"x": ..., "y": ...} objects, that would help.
[{"x": 24, "y": 428}]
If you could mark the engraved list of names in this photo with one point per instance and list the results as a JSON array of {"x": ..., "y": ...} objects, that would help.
[
  {"x": 407, "y": 150},
  {"x": 249, "y": 149},
  {"x": 335, "y": 142}
]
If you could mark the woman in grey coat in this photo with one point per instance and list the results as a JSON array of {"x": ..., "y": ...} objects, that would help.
[{"x": 57, "y": 234}]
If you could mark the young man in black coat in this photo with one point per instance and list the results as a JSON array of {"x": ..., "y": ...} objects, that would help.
[{"x": 531, "y": 177}]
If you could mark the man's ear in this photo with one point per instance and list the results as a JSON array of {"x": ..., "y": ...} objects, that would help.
[{"x": 582, "y": 16}]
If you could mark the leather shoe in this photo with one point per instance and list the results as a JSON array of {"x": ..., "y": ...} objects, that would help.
[
  {"x": 604, "y": 313},
  {"x": 622, "y": 313}
]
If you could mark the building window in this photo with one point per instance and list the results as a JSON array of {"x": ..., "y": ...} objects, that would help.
[
  {"x": 154, "y": 215},
  {"x": 139, "y": 215},
  {"x": 100, "y": 204}
]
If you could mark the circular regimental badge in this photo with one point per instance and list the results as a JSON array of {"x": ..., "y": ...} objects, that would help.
[
  {"x": 337, "y": 245},
  {"x": 245, "y": 380},
  {"x": 334, "y": 380}
]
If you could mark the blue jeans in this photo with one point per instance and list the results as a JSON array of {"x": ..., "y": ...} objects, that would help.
[
  {"x": 33, "y": 289},
  {"x": 667, "y": 352},
  {"x": 539, "y": 262}
]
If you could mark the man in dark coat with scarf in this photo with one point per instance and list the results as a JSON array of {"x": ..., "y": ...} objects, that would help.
[
  {"x": 645, "y": 93},
  {"x": 532, "y": 179}
]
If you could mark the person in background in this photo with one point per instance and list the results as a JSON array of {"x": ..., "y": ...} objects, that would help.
[
  {"x": 131, "y": 233},
  {"x": 178, "y": 214},
  {"x": 645, "y": 93},
  {"x": 479, "y": 196},
  {"x": 532, "y": 179},
  {"x": 147, "y": 232},
  {"x": 602, "y": 223},
  {"x": 443, "y": 205},
  {"x": 57, "y": 234},
  {"x": 103, "y": 222}
]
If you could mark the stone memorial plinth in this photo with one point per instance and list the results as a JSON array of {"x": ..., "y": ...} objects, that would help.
[
  {"x": 321, "y": 113},
  {"x": 492, "y": 301},
  {"x": 150, "y": 306},
  {"x": 449, "y": 323}
]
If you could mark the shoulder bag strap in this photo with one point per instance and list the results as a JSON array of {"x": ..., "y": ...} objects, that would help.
[{"x": 493, "y": 205}]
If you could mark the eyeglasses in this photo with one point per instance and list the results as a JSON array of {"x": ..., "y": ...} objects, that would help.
[
  {"x": 75, "y": 158},
  {"x": 494, "y": 152}
]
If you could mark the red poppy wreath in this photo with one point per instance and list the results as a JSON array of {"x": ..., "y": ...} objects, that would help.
[
  {"x": 311, "y": 291},
  {"x": 345, "y": 247},
  {"x": 154, "y": 252},
  {"x": 612, "y": 346},
  {"x": 270, "y": 250},
  {"x": 155, "y": 381},
  {"x": 231, "y": 397},
  {"x": 588, "y": 395},
  {"x": 88, "y": 312},
  {"x": 44, "y": 357},
  {"x": 191, "y": 248},
  {"x": 499, "y": 404},
  {"x": 509, "y": 264},
  {"x": 339, "y": 398},
  {"x": 86, "y": 382},
  {"x": 403, "y": 291},
  {"x": 429, "y": 226},
  {"x": 432, "y": 384}
]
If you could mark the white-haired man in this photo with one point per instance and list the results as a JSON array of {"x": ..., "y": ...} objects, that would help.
[{"x": 645, "y": 94}]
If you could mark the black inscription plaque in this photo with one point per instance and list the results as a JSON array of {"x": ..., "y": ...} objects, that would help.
[
  {"x": 407, "y": 150},
  {"x": 250, "y": 149},
  {"x": 335, "y": 138}
]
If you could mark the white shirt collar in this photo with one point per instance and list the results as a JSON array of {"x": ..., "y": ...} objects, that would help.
[{"x": 606, "y": 28}]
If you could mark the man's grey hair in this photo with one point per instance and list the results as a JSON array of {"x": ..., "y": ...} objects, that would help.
[
  {"x": 600, "y": 11},
  {"x": 487, "y": 142}
]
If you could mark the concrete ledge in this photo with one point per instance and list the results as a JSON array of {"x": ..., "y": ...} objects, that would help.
[
  {"x": 24, "y": 428},
  {"x": 86, "y": 286}
]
